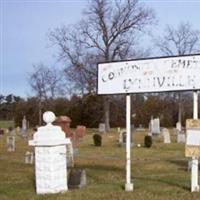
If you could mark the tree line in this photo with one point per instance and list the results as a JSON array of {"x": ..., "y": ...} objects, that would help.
[{"x": 88, "y": 109}]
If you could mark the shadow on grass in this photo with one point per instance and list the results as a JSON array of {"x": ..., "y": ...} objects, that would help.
[
  {"x": 164, "y": 180},
  {"x": 183, "y": 164},
  {"x": 99, "y": 167}
]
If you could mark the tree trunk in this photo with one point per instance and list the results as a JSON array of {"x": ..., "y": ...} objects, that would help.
[
  {"x": 106, "y": 113},
  {"x": 40, "y": 112}
]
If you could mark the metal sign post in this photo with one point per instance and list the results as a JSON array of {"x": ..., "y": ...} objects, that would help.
[
  {"x": 128, "y": 184},
  {"x": 194, "y": 168}
]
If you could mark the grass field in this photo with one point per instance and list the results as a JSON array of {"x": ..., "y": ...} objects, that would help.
[
  {"x": 158, "y": 173},
  {"x": 6, "y": 124}
]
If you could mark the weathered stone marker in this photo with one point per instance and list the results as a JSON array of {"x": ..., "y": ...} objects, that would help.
[{"x": 50, "y": 157}]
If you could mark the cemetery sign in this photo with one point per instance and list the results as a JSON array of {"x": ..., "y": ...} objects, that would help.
[{"x": 176, "y": 73}]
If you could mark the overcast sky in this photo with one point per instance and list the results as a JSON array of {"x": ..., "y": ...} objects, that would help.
[{"x": 24, "y": 26}]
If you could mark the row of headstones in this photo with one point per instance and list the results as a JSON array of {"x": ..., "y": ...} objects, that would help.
[
  {"x": 154, "y": 128},
  {"x": 181, "y": 138}
]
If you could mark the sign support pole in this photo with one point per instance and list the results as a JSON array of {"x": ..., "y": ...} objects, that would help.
[
  {"x": 128, "y": 185},
  {"x": 194, "y": 167}
]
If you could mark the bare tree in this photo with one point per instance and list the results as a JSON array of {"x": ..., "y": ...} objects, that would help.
[
  {"x": 179, "y": 41},
  {"x": 46, "y": 83},
  {"x": 109, "y": 31}
]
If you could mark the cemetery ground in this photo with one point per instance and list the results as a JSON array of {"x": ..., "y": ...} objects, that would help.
[{"x": 158, "y": 173}]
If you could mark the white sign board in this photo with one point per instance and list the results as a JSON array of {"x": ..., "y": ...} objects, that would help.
[
  {"x": 150, "y": 75},
  {"x": 193, "y": 137}
]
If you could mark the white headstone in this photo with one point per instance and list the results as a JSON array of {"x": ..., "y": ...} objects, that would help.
[
  {"x": 118, "y": 129},
  {"x": 155, "y": 126},
  {"x": 24, "y": 124},
  {"x": 102, "y": 128},
  {"x": 10, "y": 143},
  {"x": 50, "y": 157},
  {"x": 181, "y": 138},
  {"x": 122, "y": 137},
  {"x": 178, "y": 126},
  {"x": 166, "y": 136}
]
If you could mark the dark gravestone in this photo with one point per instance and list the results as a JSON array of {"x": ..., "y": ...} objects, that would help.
[
  {"x": 77, "y": 178},
  {"x": 1, "y": 132},
  {"x": 124, "y": 137}
]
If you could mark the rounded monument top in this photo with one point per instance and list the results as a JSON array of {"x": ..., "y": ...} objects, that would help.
[{"x": 49, "y": 117}]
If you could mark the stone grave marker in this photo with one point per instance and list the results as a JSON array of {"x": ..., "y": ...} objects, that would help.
[
  {"x": 118, "y": 129},
  {"x": 18, "y": 129},
  {"x": 80, "y": 132},
  {"x": 24, "y": 130},
  {"x": 178, "y": 126},
  {"x": 181, "y": 137},
  {"x": 155, "y": 126},
  {"x": 77, "y": 178},
  {"x": 64, "y": 122},
  {"x": 10, "y": 143},
  {"x": 166, "y": 135},
  {"x": 1, "y": 131},
  {"x": 6, "y": 131},
  {"x": 189, "y": 165},
  {"x": 141, "y": 127},
  {"x": 102, "y": 128},
  {"x": 24, "y": 124},
  {"x": 70, "y": 154},
  {"x": 132, "y": 128},
  {"x": 29, "y": 157},
  {"x": 11, "y": 131},
  {"x": 122, "y": 138}
]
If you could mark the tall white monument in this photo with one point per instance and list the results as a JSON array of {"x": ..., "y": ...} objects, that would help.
[{"x": 50, "y": 157}]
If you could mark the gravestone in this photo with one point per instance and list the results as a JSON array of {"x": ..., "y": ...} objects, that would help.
[
  {"x": 24, "y": 129},
  {"x": 64, "y": 122},
  {"x": 24, "y": 124},
  {"x": 1, "y": 132},
  {"x": 178, "y": 126},
  {"x": 141, "y": 127},
  {"x": 70, "y": 154},
  {"x": 18, "y": 129},
  {"x": 6, "y": 131},
  {"x": 155, "y": 126},
  {"x": 166, "y": 135},
  {"x": 11, "y": 131},
  {"x": 189, "y": 165},
  {"x": 10, "y": 143},
  {"x": 118, "y": 129},
  {"x": 102, "y": 128},
  {"x": 77, "y": 178},
  {"x": 122, "y": 138},
  {"x": 181, "y": 137},
  {"x": 50, "y": 157},
  {"x": 80, "y": 132},
  {"x": 29, "y": 157},
  {"x": 74, "y": 139},
  {"x": 132, "y": 128},
  {"x": 149, "y": 133}
]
